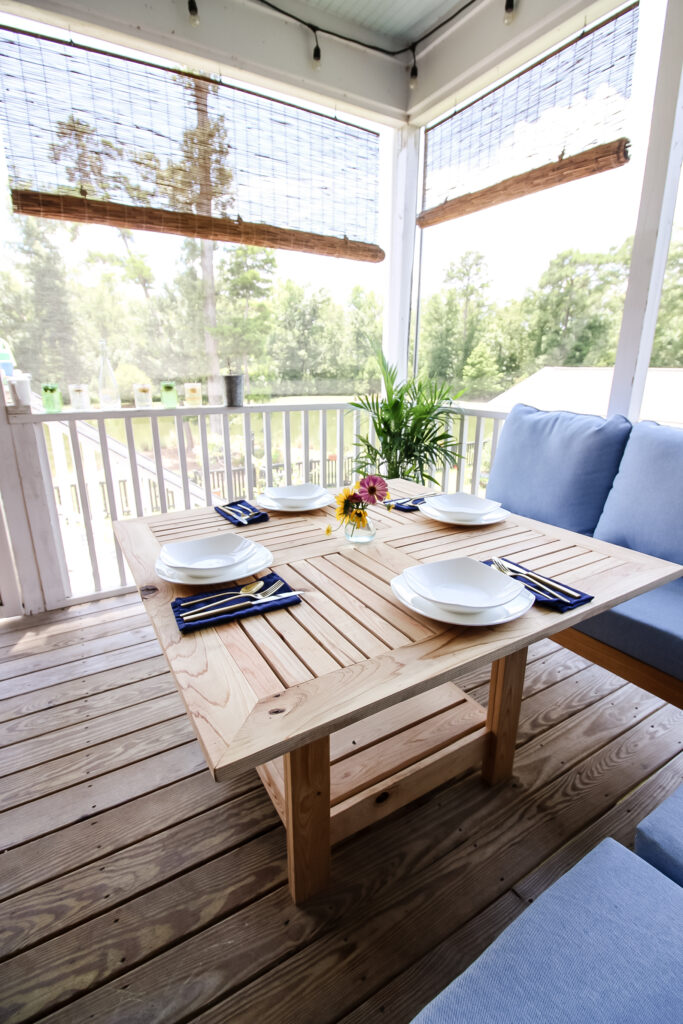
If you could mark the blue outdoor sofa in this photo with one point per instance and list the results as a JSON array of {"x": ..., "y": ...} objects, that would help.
[
  {"x": 602, "y": 945},
  {"x": 620, "y": 482}
]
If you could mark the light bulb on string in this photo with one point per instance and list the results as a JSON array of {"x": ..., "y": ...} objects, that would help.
[
  {"x": 193, "y": 12},
  {"x": 317, "y": 55},
  {"x": 510, "y": 11},
  {"x": 413, "y": 71}
]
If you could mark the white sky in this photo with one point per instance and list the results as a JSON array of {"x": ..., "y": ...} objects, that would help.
[{"x": 518, "y": 239}]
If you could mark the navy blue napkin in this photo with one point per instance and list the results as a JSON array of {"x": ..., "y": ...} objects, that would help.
[
  {"x": 403, "y": 506},
  {"x": 259, "y": 516},
  {"x": 549, "y": 602},
  {"x": 284, "y": 596}
]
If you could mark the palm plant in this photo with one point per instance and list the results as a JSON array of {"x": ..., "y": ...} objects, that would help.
[{"x": 411, "y": 422}]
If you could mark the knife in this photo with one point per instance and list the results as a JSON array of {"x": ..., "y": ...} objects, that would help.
[{"x": 254, "y": 603}]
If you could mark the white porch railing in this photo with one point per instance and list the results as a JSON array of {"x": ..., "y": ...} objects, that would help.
[{"x": 70, "y": 475}]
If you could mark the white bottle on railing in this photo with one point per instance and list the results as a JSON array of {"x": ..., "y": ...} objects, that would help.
[{"x": 110, "y": 396}]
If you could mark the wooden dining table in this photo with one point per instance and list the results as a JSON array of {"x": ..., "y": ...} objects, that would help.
[{"x": 347, "y": 704}]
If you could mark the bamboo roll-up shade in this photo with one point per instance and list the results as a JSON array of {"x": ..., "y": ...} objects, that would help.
[
  {"x": 107, "y": 138},
  {"x": 515, "y": 139}
]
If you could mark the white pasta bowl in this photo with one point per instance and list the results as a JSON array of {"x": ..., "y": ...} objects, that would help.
[
  {"x": 462, "y": 584},
  {"x": 207, "y": 554},
  {"x": 462, "y": 505}
]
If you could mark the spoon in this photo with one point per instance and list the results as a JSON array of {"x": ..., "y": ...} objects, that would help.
[{"x": 248, "y": 588}]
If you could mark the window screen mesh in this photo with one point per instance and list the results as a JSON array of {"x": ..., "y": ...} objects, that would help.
[
  {"x": 84, "y": 123},
  {"x": 569, "y": 102}
]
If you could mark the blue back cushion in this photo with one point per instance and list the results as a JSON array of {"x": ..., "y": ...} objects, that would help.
[
  {"x": 644, "y": 509},
  {"x": 557, "y": 466}
]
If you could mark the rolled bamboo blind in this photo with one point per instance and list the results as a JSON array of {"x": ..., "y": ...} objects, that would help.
[
  {"x": 559, "y": 120},
  {"x": 111, "y": 139}
]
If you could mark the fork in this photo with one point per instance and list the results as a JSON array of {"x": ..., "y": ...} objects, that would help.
[
  {"x": 264, "y": 594},
  {"x": 537, "y": 588}
]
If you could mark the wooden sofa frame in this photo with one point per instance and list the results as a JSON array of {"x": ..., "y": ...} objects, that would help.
[{"x": 653, "y": 680}]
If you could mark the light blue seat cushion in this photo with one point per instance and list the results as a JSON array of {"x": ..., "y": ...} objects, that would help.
[
  {"x": 649, "y": 628},
  {"x": 603, "y": 945},
  {"x": 644, "y": 509},
  {"x": 659, "y": 837},
  {"x": 557, "y": 466}
]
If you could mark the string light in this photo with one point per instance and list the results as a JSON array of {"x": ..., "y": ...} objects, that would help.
[
  {"x": 370, "y": 46},
  {"x": 193, "y": 12},
  {"x": 510, "y": 11}
]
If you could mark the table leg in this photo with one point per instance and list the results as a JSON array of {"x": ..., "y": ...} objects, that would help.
[
  {"x": 307, "y": 810},
  {"x": 505, "y": 699}
]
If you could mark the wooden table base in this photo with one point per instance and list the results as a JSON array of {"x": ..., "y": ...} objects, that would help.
[{"x": 333, "y": 787}]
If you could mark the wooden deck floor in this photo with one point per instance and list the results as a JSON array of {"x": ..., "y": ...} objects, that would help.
[{"x": 135, "y": 889}]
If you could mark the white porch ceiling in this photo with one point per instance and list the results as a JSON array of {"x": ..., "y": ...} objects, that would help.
[{"x": 397, "y": 22}]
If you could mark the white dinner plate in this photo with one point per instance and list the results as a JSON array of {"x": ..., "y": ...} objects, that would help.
[
  {"x": 463, "y": 504},
  {"x": 294, "y": 495},
  {"x": 275, "y": 506},
  {"x": 207, "y": 554},
  {"x": 261, "y": 559},
  {"x": 462, "y": 584},
  {"x": 496, "y": 516},
  {"x": 490, "y": 617}
]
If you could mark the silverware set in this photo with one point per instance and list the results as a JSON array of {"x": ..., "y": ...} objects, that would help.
[
  {"x": 223, "y": 605},
  {"x": 535, "y": 583},
  {"x": 406, "y": 501},
  {"x": 246, "y": 515}
]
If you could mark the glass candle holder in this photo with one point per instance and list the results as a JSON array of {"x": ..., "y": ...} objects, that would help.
[
  {"x": 193, "y": 393},
  {"x": 79, "y": 396},
  {"x": 52, "y": 398},
  {"x": 142, "y": 394},
  {"x": 169, "y": 395}
]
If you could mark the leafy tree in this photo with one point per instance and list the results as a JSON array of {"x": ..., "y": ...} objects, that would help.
[
  {"x": 668, "y": 344},
  {"x": 245, "y": 283},
  {"x": 304, "y": 338},
  {"x": 440, "y": 354},
  {"x": 44, "y": 340},
  {"x": 457, "y": 319},
  {"x": 93, "y": 163},
  {"x": 574, "y": 322},
  {"x": 481, "y": 376},
  {"x": 364, "y": 337}
]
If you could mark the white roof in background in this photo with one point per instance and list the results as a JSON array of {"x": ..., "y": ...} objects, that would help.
[{"x": 587, "y": 388}]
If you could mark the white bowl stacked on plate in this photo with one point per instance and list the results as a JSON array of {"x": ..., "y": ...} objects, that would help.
[
  {"x": 294, "y": 498},
  {"x": 462, "y": 592},
  {"x": 215, "y": 559},
  {"x": 463, "y": 509}
]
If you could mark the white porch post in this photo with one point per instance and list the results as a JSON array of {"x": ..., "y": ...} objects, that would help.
[
  {"x": 31, "y": 515},
  {"x": 653, "y": 229},
  {"x": 404, "y": 182},
  {"x": 10, "y": 593}
]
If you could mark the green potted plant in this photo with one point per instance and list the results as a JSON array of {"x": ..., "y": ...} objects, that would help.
[{"x": 411, "y": 422}]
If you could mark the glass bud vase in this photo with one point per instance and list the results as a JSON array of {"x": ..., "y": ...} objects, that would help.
[{"x": 360, "y": 534}]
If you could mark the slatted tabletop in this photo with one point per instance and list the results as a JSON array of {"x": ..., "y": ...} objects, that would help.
[
  {"x": 349, "y": 696},
  {"x": 263, "y": 685}
]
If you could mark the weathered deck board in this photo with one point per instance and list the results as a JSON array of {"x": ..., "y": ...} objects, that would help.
[{"x": 146, "y": 891}]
